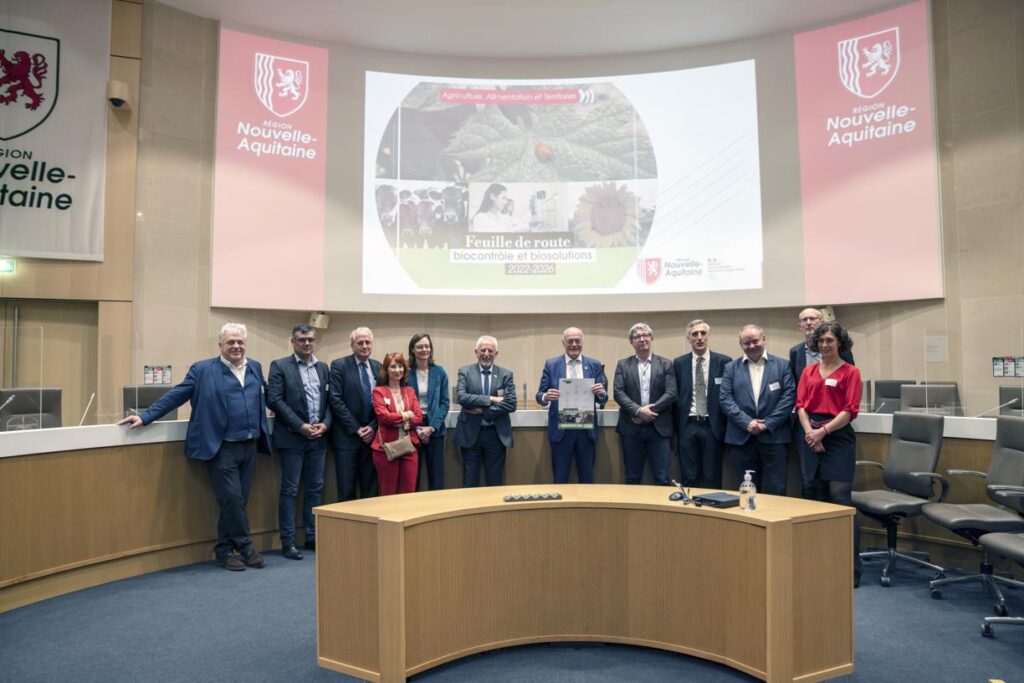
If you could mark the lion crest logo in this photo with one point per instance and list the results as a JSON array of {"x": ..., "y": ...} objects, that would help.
[
  {"x": 649, "y": 269},
  {"x": 29, "y": 70},
  {"x": 869, "y": 63},
  {"x": 281, "y": 84}
]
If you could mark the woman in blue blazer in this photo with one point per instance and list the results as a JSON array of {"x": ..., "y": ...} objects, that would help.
[{"x": 430, "y": 382}]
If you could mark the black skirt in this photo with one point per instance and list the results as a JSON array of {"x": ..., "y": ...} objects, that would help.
[{"x": 837, "y": 463}]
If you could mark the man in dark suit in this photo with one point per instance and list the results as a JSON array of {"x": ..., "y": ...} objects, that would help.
[
  {"x": 352, "y": 381},
  {"x": 569, "y": 444},
  {"x": 700, "y": 422},
  {"x": 800, "y": 356},
  {"x": 227, "y": 428},
  {"x": 487, "y": 394},
  {"x": 297, "y": 391},
  {"x": 757, "y": 395},
  {"x": 645, "y": 389}
]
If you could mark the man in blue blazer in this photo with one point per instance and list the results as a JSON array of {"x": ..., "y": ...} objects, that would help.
[
  {"x": 297, "y": 390},
  {"x": 700, "y": 421},
  {"x": 569, "y": 444},
  {"x": 645, "y": 389},
  {"x": 227, "y": 428},
  {"x": 757, "y": 395},
  {"x": 351, "y": 396},
  {"x": 487, "y": 394}
]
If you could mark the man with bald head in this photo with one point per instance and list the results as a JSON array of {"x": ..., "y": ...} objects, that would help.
[
  {"x": 351, "y": 387},
  {"x": 800, "y": 356},
  {"x": 757, "y": 395},
  {"x": 568, "y": 445}
]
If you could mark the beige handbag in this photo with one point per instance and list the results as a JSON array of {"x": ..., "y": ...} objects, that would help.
[{"x": 403, "y": 445}]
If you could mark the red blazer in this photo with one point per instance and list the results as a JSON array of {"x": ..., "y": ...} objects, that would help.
[{"x": 389, "y": 419}]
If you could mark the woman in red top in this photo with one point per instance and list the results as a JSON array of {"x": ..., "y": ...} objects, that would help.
[
  {"x": 827, "y": 400},
  {"x": 398, "y": 412}
]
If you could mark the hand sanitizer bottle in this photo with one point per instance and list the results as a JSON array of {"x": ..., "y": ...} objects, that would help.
[{"x": 748, "y": 493}]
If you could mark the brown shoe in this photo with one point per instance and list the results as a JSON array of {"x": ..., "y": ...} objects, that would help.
[
  {"x": 231, "y": 563},
  {"x": 253, "y": 559}
]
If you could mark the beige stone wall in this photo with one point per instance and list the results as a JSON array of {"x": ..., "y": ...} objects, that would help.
[{"x": 979, "y": 65}]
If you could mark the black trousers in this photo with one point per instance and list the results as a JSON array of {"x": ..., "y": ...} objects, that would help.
[
  {"x": 489, "y": 451},
  {"x": 700, "y": 456},
  {"x": 231, "y": 472}
]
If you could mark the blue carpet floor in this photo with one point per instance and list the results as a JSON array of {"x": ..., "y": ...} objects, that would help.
[{"x": 201, "y": 623}]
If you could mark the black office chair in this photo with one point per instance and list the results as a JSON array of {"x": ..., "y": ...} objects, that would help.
[
  {"x": 974, "y": 520},
  {"x": 909, "y": 474},
  {"x": 887, "y": 394},
  {"x": 1010, "y": 546}
]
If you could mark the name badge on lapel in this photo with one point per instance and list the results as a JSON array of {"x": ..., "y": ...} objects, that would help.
[
  {"x": 718, "y": 380},
  {"x": 831, "y": 382},
  {"x": 774, "y": 386}
]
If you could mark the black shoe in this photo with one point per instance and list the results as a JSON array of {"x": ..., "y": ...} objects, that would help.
[
  {"x": 253, "y": 559},
  {"x": 291, "y": 552},
  {"x": 231, "y": 563},
  {"x": 311, "y": 545}
]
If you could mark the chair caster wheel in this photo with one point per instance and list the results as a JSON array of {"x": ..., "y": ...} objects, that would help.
[
  {"x": 885, "y": 581},
  {"x": 936, "y": 594},
  {"x": 986, "y": 631},
  {"x": 1001, "y": 611}
]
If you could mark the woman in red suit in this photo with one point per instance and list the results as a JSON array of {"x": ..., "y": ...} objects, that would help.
[{"x": 398, "y": 413}]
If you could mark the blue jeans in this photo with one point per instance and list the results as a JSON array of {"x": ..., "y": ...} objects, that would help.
[{"x": 306, "y": 463}]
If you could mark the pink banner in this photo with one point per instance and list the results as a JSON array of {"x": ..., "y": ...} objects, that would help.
[
  {"x": 268, "y": 216},
  {"x": 868, "y": 167}
]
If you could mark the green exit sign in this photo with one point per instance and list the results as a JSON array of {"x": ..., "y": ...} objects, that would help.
[{"x": 7, "y": 265}]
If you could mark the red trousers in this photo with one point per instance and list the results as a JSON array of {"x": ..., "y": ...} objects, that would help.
[{"x": 398, "y": 475}]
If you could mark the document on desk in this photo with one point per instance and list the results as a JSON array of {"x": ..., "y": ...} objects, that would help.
[{"x": 576, "y": 403}]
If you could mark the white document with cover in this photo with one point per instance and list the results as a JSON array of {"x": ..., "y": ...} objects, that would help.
[{"x": 576, "y": 403}]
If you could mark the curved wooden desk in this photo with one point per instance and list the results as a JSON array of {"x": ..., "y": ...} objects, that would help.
[{"x": 409, "y": 582}]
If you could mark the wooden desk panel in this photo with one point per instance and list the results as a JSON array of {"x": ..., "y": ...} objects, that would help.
[{"x": 466, "y": 573}]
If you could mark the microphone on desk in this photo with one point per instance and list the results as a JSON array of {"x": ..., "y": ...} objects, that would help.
[
  {"x": 879, "y": 407},
  {"x": 1008, "y": 403},
  {"x": 682, "y": 495},
  {"x": 88, "y": 405},
  {"x": 11, "y": 398}
]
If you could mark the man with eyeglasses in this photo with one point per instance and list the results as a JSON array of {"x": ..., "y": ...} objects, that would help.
[
  {"x": 800, "y": 355},
  {"x": 645, "y": 389},
  {"x": 297, "y": 391},
  {"x": 227, "y": 428},
  {"x": 351, "y": 396}
]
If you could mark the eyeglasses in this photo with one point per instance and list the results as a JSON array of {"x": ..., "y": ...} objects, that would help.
[
  {"x": 304, "y": 340},
  {"x": 643, "y": 335},
  {"x": 421, "y": 347}
]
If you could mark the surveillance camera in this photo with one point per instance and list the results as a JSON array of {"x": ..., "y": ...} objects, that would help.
[{"x": 119, "y": 95}]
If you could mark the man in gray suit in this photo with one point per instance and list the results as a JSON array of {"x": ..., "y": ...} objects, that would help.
[
  {"x": 487, "y": 394},
  {"x": 645, "y": 389},
  {"x": 297, "y": 393}
]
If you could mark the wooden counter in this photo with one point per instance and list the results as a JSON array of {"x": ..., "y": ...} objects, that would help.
[{"x": 409, "y": 582}]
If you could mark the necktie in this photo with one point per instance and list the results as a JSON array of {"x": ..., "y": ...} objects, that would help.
[
  {"x": 700, "y": 390},
  {"x": 364, "y": 378},
  {"x": 487, "y": 382}
]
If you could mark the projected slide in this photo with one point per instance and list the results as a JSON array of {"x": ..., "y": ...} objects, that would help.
[{"x": 628, "y": 184}]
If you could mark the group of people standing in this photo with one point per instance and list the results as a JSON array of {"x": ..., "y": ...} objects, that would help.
[{"x": 386, "y": 419}]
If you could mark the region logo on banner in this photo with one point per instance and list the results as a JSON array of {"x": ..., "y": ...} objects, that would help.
[
  {"x": 282, "y": 84},
  {"x": 868, "y": 165},
  {"x": 29, "y": 79},
  {"x": 868, "y": 64},
  {"x": 270, "y": 175}
]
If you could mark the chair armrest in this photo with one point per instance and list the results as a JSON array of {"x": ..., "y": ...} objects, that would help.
[
  {"x": 941, "y": 479},
  {"x": 1007, "y": 491},
  {"x": 872, "y": 463},
  {"x": 967, "y": 473}
]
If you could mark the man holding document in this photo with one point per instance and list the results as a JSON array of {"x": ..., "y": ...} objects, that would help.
[{"x": 572, "y": 387}]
